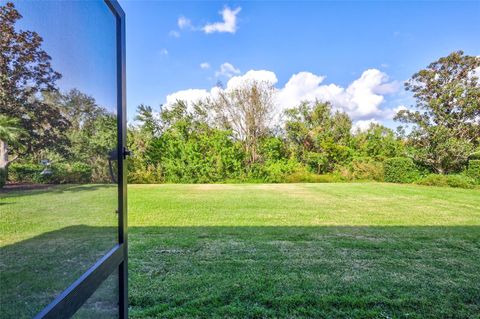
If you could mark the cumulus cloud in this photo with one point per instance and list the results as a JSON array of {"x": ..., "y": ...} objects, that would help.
[
  {"x": 363, "y": 125},
  {"x": 229, "y": 23},
  {"x": 250, "y": 76},
  {"x": 189, "y": 96},
  {"x": 205, "y": 65},
  {"x": 184, "y": 23},
  {"x": 227, "y": 70},
  {"x": 362, "y": 99}
]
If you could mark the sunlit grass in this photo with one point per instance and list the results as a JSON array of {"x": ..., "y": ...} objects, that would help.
[
  {"x": 304, "y": 250},
  {"x": 366, "y": 250}
]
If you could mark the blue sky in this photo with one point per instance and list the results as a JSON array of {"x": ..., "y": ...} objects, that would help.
[
  {"x": 356, "y": 54},
  {"x": 338, "y": 40},
  {"x": 80, "y": 38}
]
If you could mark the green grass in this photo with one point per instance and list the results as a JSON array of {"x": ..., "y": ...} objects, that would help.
[{"x": 365, "y": 250}]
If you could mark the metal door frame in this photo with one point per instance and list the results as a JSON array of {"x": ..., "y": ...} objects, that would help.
[{"x": 66, "y": 304}]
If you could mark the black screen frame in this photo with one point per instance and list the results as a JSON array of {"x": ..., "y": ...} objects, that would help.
[{"x": 67, "y": 303}]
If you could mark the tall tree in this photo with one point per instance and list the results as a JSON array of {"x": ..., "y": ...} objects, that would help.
[
  {"x": 378, "y": 142},
  {"x": 148, "y": 122},
  {"x": 26, "y": 72},
  {"x": 248, "y": 111},
  {"x": 319, "y": 136},
  {"x": 446, "y": 119}
]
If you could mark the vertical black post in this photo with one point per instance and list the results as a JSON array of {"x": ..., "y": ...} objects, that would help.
[
  {"x": 122, "y": 218},
  {"x": 122, "y": 169}
]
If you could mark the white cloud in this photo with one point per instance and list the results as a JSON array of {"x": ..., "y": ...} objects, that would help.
[
  {"x": 184, "y": 23},
  {"x": 252, "y": 75},
  {"x": 227, "y": 70},
  {"x": 205, "y": 65},
  {"x": 229, "y": 23},
  {"x": 164, "y": 52},
  {"x": 362, "y": 99},
  {"x": 189, "y": 96},
  {"x": 363, "y": 125},
  {"x": 174, "y": 34}
]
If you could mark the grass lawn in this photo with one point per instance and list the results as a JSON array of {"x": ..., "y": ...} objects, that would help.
[{"x": 365, "y": 250}]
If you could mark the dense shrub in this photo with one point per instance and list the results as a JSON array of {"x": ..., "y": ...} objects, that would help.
[
  {"x": 400, "y": 170},
  {"x": 473, "y": 170},
  {"x": 79, "y": 173},
  {"x": 304, "y": 176},
  {"x": 363, "y": 168},
  {"x": 150, "y": 174},
  {"x": 24, "y": 173},
  {"x": 58, "y": 173},
  {"x": 277, "y": 171},
  {"x": 458, "y": 181},
  {"x": 3, "y": 177}
]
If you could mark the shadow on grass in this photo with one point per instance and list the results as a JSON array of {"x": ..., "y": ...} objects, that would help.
[
  {"x": 51, "y": 189},
  {"x": 265, "y": 272}
]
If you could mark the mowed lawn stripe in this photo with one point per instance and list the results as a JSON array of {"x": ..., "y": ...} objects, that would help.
[{"x": 304, "y": 250}]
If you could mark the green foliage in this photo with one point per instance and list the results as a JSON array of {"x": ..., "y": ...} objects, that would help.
[
  {"x": 230, "y": 137},
  {"x": 457, "y": 181},
  {"x": 273, "y": 171},
  {"x": 445, "y": 127},
  {"x": 320, "y": 138},
  {"x": 378, "y": 142},
  {"x": 364, "y": 169},
  {"x": 25, "y": 74},
  {"x": 473, "y": 170},
  {"x": 475, "y": 156},
  {"x": 58, "y": 173},
  {"x": 400, "y": 170},
  {"x": 24, "y": 173},
  {"x": 190, "y": 151},
  {"x": 148, "y": 174}
]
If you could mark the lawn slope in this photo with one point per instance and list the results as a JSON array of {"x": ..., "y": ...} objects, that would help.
[{"x": 306, "y": 250}]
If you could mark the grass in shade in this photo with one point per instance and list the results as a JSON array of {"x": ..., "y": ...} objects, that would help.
[{"x": 366, "y": 250}]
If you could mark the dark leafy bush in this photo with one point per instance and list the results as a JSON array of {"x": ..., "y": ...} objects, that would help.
[
  {"x": 24, "y": 173},
  {"x": 75, "y": 173},
  {"x": 3, "y": 177},
  {"x": 80, "y": 173},
  {"x": 58, "y": 173},
  {"x": 473, "y": 170},
  {"x": 400, "y": 170},
  {"x": 458, "y": 181}
]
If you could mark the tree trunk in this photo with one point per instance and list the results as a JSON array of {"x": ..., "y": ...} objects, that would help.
[
  {"x": 3, "y": 155},
  {"x": 3, "y": 163}
]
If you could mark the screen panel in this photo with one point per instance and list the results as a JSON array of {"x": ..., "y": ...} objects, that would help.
[
  {"x": 103, "y": 303},
  {"x": 59, "y": 209}
]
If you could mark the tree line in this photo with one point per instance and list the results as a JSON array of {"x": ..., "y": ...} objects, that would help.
[{"x": 231, "y": 136}]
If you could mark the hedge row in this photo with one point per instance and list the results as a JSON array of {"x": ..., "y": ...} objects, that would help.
[
  {"x": 473, "y": 170},
  {"x": 59, "y": 173},
  {"x": 400, "y": 170},
  {"x": 394, "y": 170}
]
